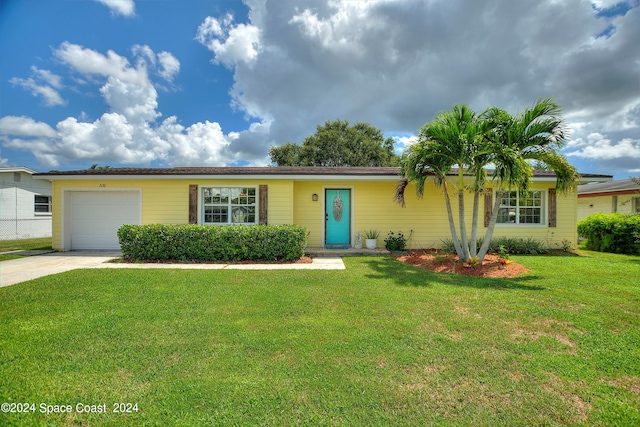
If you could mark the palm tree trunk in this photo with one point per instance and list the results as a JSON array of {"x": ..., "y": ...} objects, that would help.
[
  {"x": 473, "y": 246},
  {"x": 492, "y": 224},
  {"x": 452, "y": 224},
  {"x": 463, "y": 227}
]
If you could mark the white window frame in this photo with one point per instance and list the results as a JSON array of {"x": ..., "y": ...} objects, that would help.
[
  {"x": 48, "y": 204},
  {"x": 236, "y": 213},
  {"x": 517, "y": 209}
]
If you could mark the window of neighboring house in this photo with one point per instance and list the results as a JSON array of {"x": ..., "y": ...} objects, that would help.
[
  {"x": 614, "y": 204},
  {"x": 516, "y": 208},
  {"x": 42, "y": 204},
  {"x": 636, "y": 205},
  {"x": 229, "y": 205}
]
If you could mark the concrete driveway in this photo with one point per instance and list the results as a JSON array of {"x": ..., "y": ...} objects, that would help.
[{"x": 31, "y": 267}]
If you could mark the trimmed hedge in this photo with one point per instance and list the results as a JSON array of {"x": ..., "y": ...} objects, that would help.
[
  {"x": 203, "y": 243},
  {"x": 617, "y": 232}
]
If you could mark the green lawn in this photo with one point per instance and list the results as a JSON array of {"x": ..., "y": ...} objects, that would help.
[
  {"x": 25, "y": 244},
  {"x": 380, "y": 343}
]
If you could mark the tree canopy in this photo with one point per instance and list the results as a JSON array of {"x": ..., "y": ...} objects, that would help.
[
  {"x": 96, "y": 166},
  {"x": 336, "y": 143}
]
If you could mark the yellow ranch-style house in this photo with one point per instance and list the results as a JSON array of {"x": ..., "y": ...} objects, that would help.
[{"x": 332, "y": 203}]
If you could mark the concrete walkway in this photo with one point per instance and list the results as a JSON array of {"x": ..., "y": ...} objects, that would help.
[{"x": 31, "y": 267}]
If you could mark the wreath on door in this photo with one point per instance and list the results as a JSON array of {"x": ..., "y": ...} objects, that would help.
[{"x": 337, "y": 207}]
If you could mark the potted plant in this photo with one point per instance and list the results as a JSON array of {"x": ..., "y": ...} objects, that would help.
[{"x": 371, "y": 238}]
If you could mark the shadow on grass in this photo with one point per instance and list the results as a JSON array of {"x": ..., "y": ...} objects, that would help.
[{"x": 406, "y": 275}]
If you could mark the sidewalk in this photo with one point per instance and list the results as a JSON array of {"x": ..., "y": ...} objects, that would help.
[{"x": 32, "y": 267}]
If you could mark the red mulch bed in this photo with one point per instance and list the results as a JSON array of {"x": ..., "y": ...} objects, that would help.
[{"x": 448, "y": 263}]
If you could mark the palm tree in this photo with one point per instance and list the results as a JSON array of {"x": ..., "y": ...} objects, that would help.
[
  {"x": 453, "y": 138},
  {"x": 459, "y": 137},
  {"x": 537, "y": 134}
]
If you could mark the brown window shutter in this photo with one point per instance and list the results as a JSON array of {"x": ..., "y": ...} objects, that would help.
[
  {"x": 488, "y": 206},
  {"x": 263, "y": 203},
  {"x": 552, "y": 207},
  {"x": 193, "y": 204}
]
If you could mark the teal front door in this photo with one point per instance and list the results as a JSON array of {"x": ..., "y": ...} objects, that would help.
[{"x": 337, "y": 215}]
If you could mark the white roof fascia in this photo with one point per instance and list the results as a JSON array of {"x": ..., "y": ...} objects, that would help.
[{"x": 17, "y": 169}]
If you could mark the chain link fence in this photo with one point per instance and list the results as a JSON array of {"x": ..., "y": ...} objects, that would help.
[{"x": 17, "y": 229}]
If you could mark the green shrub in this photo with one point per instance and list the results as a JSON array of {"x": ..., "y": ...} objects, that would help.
[
  {"x": 448, "y": 246},
  {"x": 512, "y": 245},
  {"x": 202, "y": 243},
  {"x": 616, "y": 232},
  {"x": 395, "y": 243}
]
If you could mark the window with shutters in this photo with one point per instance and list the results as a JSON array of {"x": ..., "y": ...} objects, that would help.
[
  {"x": 521, "y": 208},
  {"x": 229, "y": 205}
]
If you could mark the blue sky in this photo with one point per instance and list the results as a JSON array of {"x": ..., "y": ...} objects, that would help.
[{"x": 169, "y": 83}]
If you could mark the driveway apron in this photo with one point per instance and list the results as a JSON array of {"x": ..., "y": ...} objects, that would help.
[{"x": 31, "y": 267}]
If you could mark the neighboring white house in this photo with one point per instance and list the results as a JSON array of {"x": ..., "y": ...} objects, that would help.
[
  {"x": 25, "y": 204},
  {"x": 608, "y": 197}
]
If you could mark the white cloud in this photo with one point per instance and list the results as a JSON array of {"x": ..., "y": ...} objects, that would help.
[
  {"x": 48, "y": 77},
  {"x": 164, "y": 63},
  {"x": 343, "y": 30},
  {"x": 169, "y": 66},
  {"x": 403, "y": 142},
  {"x": 144, "y": 53},
  {"x": 600, "y": 147},
  {"x": 49, "y": 95},
  {"x": 605, "y": 4},
  {"x": 25, "y": 126},
  {"x": 138, "y": 103},
  {"x": 230, "y": 44},
  {"x": 128, "y": 133},
  {"x": 199, "y": 144},
  {"x": 42, "y": 83},
  {"x": 92, "y": 63},
  {"x": 126, "y": 8}
]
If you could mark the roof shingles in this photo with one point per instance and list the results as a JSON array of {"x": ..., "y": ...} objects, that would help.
[{"x": 267, "y": 170}]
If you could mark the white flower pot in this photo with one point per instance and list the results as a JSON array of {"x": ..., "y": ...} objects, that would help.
[{"x": 371, "y": 243}]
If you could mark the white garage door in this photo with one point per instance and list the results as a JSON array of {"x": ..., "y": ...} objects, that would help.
[{"x": 96, "y": 217}]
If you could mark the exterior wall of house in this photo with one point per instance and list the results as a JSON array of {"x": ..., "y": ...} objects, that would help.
[
  {"x": 566, "y": 223},
  {"x": 18, "y": 219},
  {"x": 624, "y": 203},
  {"x": 166, "y": 201},
  {"x": 373, "y": 208},
  {"x": 424, "y": 219}
]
